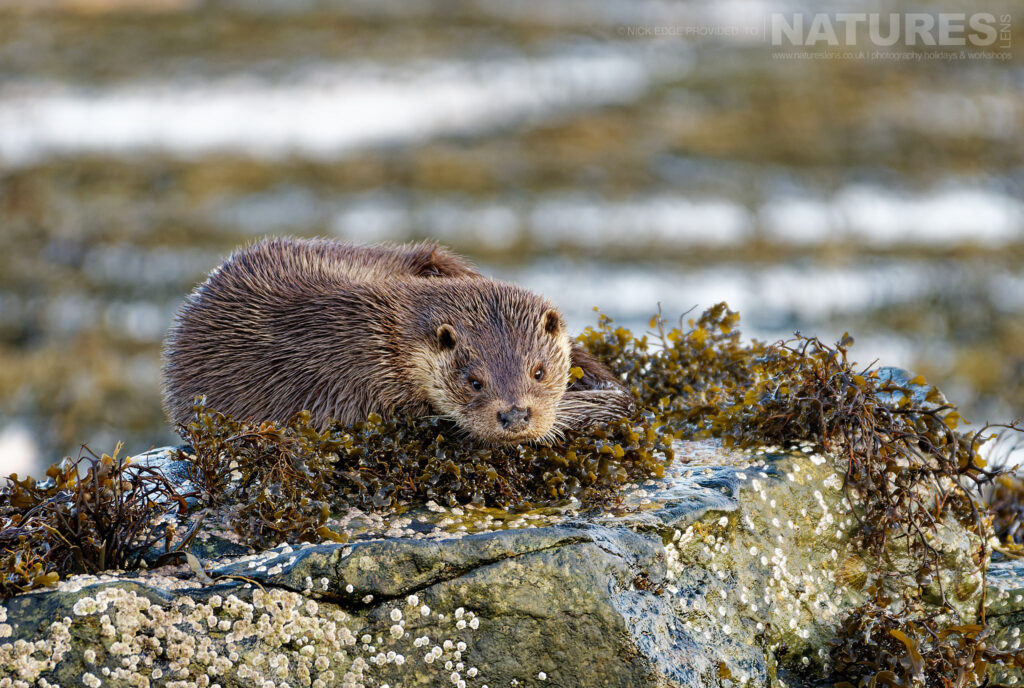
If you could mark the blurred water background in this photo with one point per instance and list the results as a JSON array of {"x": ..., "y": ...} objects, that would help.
[{"x": 573, "y": 146}]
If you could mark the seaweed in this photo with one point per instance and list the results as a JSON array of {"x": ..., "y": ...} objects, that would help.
[
  {"x": 903, "y": 455},
  {"x": 891, "y": 650},
  {"x": 907, "y": 469},
  {"x": 685, "y": 376},
  {"x": 278, "y": 479},
  {"x": 898, "y": 437},
  {"x": 92, "y": 514},
  {"x": 284, "y": 480},
  {"x": 1006, "y": 504}
]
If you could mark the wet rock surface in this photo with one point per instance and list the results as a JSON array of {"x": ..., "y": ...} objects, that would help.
[
  {"x": 732, "y": 570},
  {"x": 1004, "y": 605}
]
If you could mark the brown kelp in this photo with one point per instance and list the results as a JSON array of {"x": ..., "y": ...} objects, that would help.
[{"x": 91, "y": 514}]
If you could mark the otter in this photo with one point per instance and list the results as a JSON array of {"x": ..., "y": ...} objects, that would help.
[{"x": 344, "y": 331}]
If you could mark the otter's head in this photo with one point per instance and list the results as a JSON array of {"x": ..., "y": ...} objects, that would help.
[{"x": 499, "y": 365}]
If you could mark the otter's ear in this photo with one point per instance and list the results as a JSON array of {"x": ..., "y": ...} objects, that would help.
[
  {"x": 551, "y": 322},
  {"x": 446, "y": 336}
]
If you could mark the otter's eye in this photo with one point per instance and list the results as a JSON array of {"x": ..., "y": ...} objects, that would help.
[
  {"x": 476, "y": 384},
  {"x": 538, "y": 373}
]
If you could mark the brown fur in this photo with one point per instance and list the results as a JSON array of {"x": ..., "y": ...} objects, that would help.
[{"x": 344, "y": 331}]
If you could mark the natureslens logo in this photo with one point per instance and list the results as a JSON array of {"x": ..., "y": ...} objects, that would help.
[
  {"x": 840, "y": 35},
  {"x": 893, "y": 36},
  {"x": 876, "y": 30}
]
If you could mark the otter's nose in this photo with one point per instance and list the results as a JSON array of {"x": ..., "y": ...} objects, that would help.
[{"x": 514, "y": 419}]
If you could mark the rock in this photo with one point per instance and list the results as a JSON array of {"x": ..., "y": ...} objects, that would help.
[
  {"x": 920, "y": 393},
  {"x": 732, "y": 570},
  {"x": 1005, "y": 613}
]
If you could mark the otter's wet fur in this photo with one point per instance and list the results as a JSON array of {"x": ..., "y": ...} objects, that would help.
[{"x": 344, "y": 331}]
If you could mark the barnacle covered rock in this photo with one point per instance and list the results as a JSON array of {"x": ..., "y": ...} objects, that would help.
[{"x": 733, "y": 569}]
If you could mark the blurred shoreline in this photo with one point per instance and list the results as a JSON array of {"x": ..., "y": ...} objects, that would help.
[{"x": 567, "y": 146}]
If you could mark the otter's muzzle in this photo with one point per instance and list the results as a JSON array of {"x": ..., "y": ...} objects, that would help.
[{"x": 515, "y": 419}]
